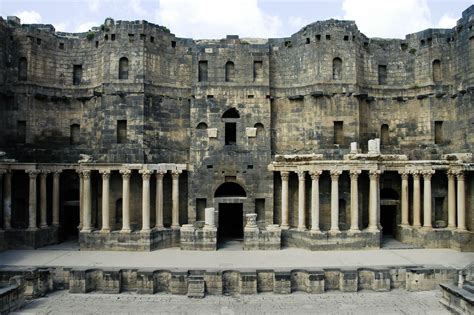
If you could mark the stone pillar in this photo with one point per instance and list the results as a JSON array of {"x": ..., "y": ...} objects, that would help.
[
  {"x": 374, "y": 204},
  {"x": 210, "y": 217},
  {"x": 2, "y": 172},
  {"x": 7, "y": 200},
  {"x": 461, "y": 202},
  {"x": 301, "y": 201},
  {"x": 81, "y": 199},
  {"x": 146, "y": 200},
  {"x": 87, "y": 199},
  {"x": 159, "y": 199},
  {"x": 354, "y": 201},
  {"x": 43, "y": 199},
  {"x": 126, "y": 200},
  {"x": 105, "y": 201},
  {"x": 427, "y": 211},
  {"x": 251, "y": 221},
  {"x": 404, "y": 174},
  {"x": 175, "y": 198},
  {"x": 32, "y": 174},
  {"x": 315, "y": 201},
  {"x": 451, "y": 199},
  {"x": 284, "y": 199},
  {"x": 56, "y": 175},
  {"x": 335, "y": 201},
  {"x": 416, "y": 199}
]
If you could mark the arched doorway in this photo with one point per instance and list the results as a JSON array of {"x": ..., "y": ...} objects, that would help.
[
  {"x": 230, "y": 228},
  {"x": 388, "y": 211}
]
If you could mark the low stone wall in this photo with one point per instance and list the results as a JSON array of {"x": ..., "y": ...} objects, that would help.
[
  {"x": 457, "y": 300},
  {"x": 262, "y": 238},
  {"x": 198, "y": 283},
  {"x": 25, "y": 239},
  {"x": 12, "y": 296},
  {"x": 195, "y": 237},
  {"x": 326, "y": 241},
  {"x": 134, "y": 241},
  {"x": 437, "y": 238}
]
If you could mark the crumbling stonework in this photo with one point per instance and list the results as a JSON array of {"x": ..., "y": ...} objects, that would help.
[{"x": 331, "y": 138}]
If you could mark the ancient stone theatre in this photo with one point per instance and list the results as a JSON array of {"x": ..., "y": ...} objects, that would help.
[{"x": 129, "y": 138}]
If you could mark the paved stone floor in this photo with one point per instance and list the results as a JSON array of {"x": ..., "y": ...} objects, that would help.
[
  {"x": 364, "y": 302},
  {"x": 67, "y": 255}
]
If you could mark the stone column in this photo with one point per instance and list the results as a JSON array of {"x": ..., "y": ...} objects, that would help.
[
  {"x": 374, "y": 205},
  {"x": 354, "y": 201},
  {"x": 32, "y": 174},
  {"x": 81, "y": 199},
  {"x": 210, "y": 217},
  {"x": 301, "y": 201},
  {"x": 175, "y": 198},
  {"x": 284, "y": 199},
  {"x": 146, "y": 200},
  {"x": 335, "y": 201},
  {"x": 56, "y": 175},
  {"x": 461, "y": 202},
  {"x": 105, "y": 201},
  {"x": 7, "y": 200},
  {"x": 315, "y": 201},
  {"x": 416, "y": 199},
  {"x": 404, "y": 174},
  {"x": 427, "y": 211},
  {"x": 2, "y": 172},
  {"x": 86, "y": 198},
  {"x": 159, "y": 199},
  {"x": 126, "y": 200},
  {"x": 451, "y": 199},
  {"x": 43, "y": 199}
]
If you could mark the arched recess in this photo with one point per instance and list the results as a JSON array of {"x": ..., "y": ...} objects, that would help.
[
  {"x": 201, "y": 125},
  {"x": 337, "y": 68},
  {"x": 437, "y": 74},
  {"x": 123, "y": 68},
  {"x": 230, "y": 189},
  {"x": 231, "y": 113},
  {"x": 229, "y": 71}
]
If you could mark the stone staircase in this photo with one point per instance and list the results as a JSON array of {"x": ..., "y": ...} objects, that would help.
[{"x": 459, "y": 297}]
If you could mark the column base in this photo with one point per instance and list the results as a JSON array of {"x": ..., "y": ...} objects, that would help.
[
  {"x": 315, "y": 231},
  {"x": 334, "y": 231},
  {"x": 353, "y": 231},
  {"x": 285, "y": 227},
  {"x": 32, "y": 229},
  {"x": 86, "y": 230},
  {"x": 43, "y": 226},
  {"x": 427, "y": 228},
  {"x": 159, "y": 228},
  {"x": 125, "y": 231},
  {"x": 416, "y": 226},
  {"x": 176, "y": 227},
  {"x": 145, "y": 231},
  {"x": 105, "y": 231},
  {"x": 301, "y": 228},
  {"x": 373, "y": 229}
]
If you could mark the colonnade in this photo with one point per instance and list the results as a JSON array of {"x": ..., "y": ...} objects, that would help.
[
  {"x": 374, "y": 201},
  {"x": 86, "y": 209}
]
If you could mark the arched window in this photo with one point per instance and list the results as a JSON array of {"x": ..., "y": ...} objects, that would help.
[
  {"x": 229, "y": 71},
  {"x": 230, "y": 189},
  {"x": 336, "y": 69},
  {"x": 231, "y": 113},
  {"x": 201, "y": 125},
  {"x": 259, "y": 127},
  {"x": 230, "y": 125},
  {"x": 123, "y": 68},
  {"x": 22, "y": 69},
  {"x": 437, "y": 75},
  {"x": 384, "y": 136}
]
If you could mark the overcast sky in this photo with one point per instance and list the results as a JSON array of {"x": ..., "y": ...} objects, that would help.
[{"x": 247, "y": 18}]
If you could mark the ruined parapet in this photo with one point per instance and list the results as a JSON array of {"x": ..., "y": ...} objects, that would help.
[{"x": 261, "y": 238}]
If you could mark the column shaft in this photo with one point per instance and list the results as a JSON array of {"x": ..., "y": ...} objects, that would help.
[
  {"x": 81, "y": 200},
  {"x": 32, "y": 174},
  {"x": 284, "y": 200},
  {"x": 175, "y": 199},
  {"x": 354, "y": 201},
  {"x": 315, "y": 201},
  {"x": 7, "y": 200},
  {"x": 335, "y": 201},
  {"x": 416, "y": 199},
  {"x": 159, "y": 199},
  {"x": 146, "y": 200},
  {"x": 56, "y": 175},
  {"x": 86, "y": 196},
  {"x": 373, "y": 200},
  {"x": 301, "y": 200},
  {"x": 126, "y": 200},
  {"x": 404, "y": 201},
  {"x": 461, "y": 203},
  {"x": 451, "y": 200},
  {"x": 105, "y": 201},
  {"x": 427, "y": 211},
  {"x": 43, "y": 199}
]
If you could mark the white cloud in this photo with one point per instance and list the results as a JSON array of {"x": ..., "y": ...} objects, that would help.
[
  {"x": 446, "y": 21},
  {"x": 29, "y": 17},
  {"x": 217, "y": 18},
  {"x": 61, "y": 27},
  {"x": 297, "y": 22},
  {"x": 136, "y": 7},
  {"x": 376, "y": 18},
  {"x": 84, "y": 27},
  {"x": 94, "y": 5}
]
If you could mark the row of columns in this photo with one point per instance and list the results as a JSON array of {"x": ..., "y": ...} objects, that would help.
[
  {"x": 453, "y": 200},
  {"x": 6, "y": 178},
  {"x": 86, "y": 208},
  {"x": 354, "y": 174}
]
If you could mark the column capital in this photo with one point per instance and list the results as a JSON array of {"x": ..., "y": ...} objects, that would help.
[
  {"x": 460, "y": 175},
  {"x": 301, "y": 174},
  {"x": 315, "y": 174},
  {"x": 160, "y": 173},
  {"x": 105, "y": 173},
  {"x": 354, "y": 173},
  {"x": 3, "y": 171},
  {"x": 284, "y": 175},
  {"x": 32, "y": 173},
  {"x": 86, "y": 174},
  {"x": 57, "y": 172},
  {"x": 145, "y": 173},
  {"x": 175, "y": 173},
  {"x": 427, "y": 174},
  {"x": 335, "y": 174},
  {"x": 404, "y": 173},
  {"x": 415, "y": 173},
  {"x": 125, "y": 173},
  {"x": 44, "y": 171}
]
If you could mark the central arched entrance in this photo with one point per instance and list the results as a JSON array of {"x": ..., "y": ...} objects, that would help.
[{"x": 230, "y": 226}]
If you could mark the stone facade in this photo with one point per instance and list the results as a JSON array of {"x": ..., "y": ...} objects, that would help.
[{"x": 329, "y": 137}]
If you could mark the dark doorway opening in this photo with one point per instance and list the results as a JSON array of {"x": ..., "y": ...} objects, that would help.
[
  {"x": 70, "y": 222},
  {"x": 231, "y": 223},
  {"x": 388, "y": 219}
]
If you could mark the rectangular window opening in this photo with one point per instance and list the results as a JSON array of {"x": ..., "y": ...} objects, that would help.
[
  {"x": 131, "y": 37},
  {"x": 201, "y": 204},
  {"x": 61, "y": 45},
  {"x": 338, "y": 132},
  {"x": 202, "y": 71},
  {"x": 260, "y": 208},
  {"x": 121, "y": 131},
  {"x": 328, "y": 37},
  {"x": 438, "y": 132},
  {"x": 173, "y": 44},
  {"x": 21, "y": 131},
  {"x": 257, "y": 70},
  {"x": 382, "y": 74},
  {"x": 346, "y": 37},
  {"x": 318, "y": 37},
  {"x": 230, "y": 133},
  {"x": 77, "y": 74},
  {"x": 97, "y": 44},
  {"x": 112, "y": 37},
  {"x": 142, "y": 37},
  {"x": 152, "y": 39}
]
